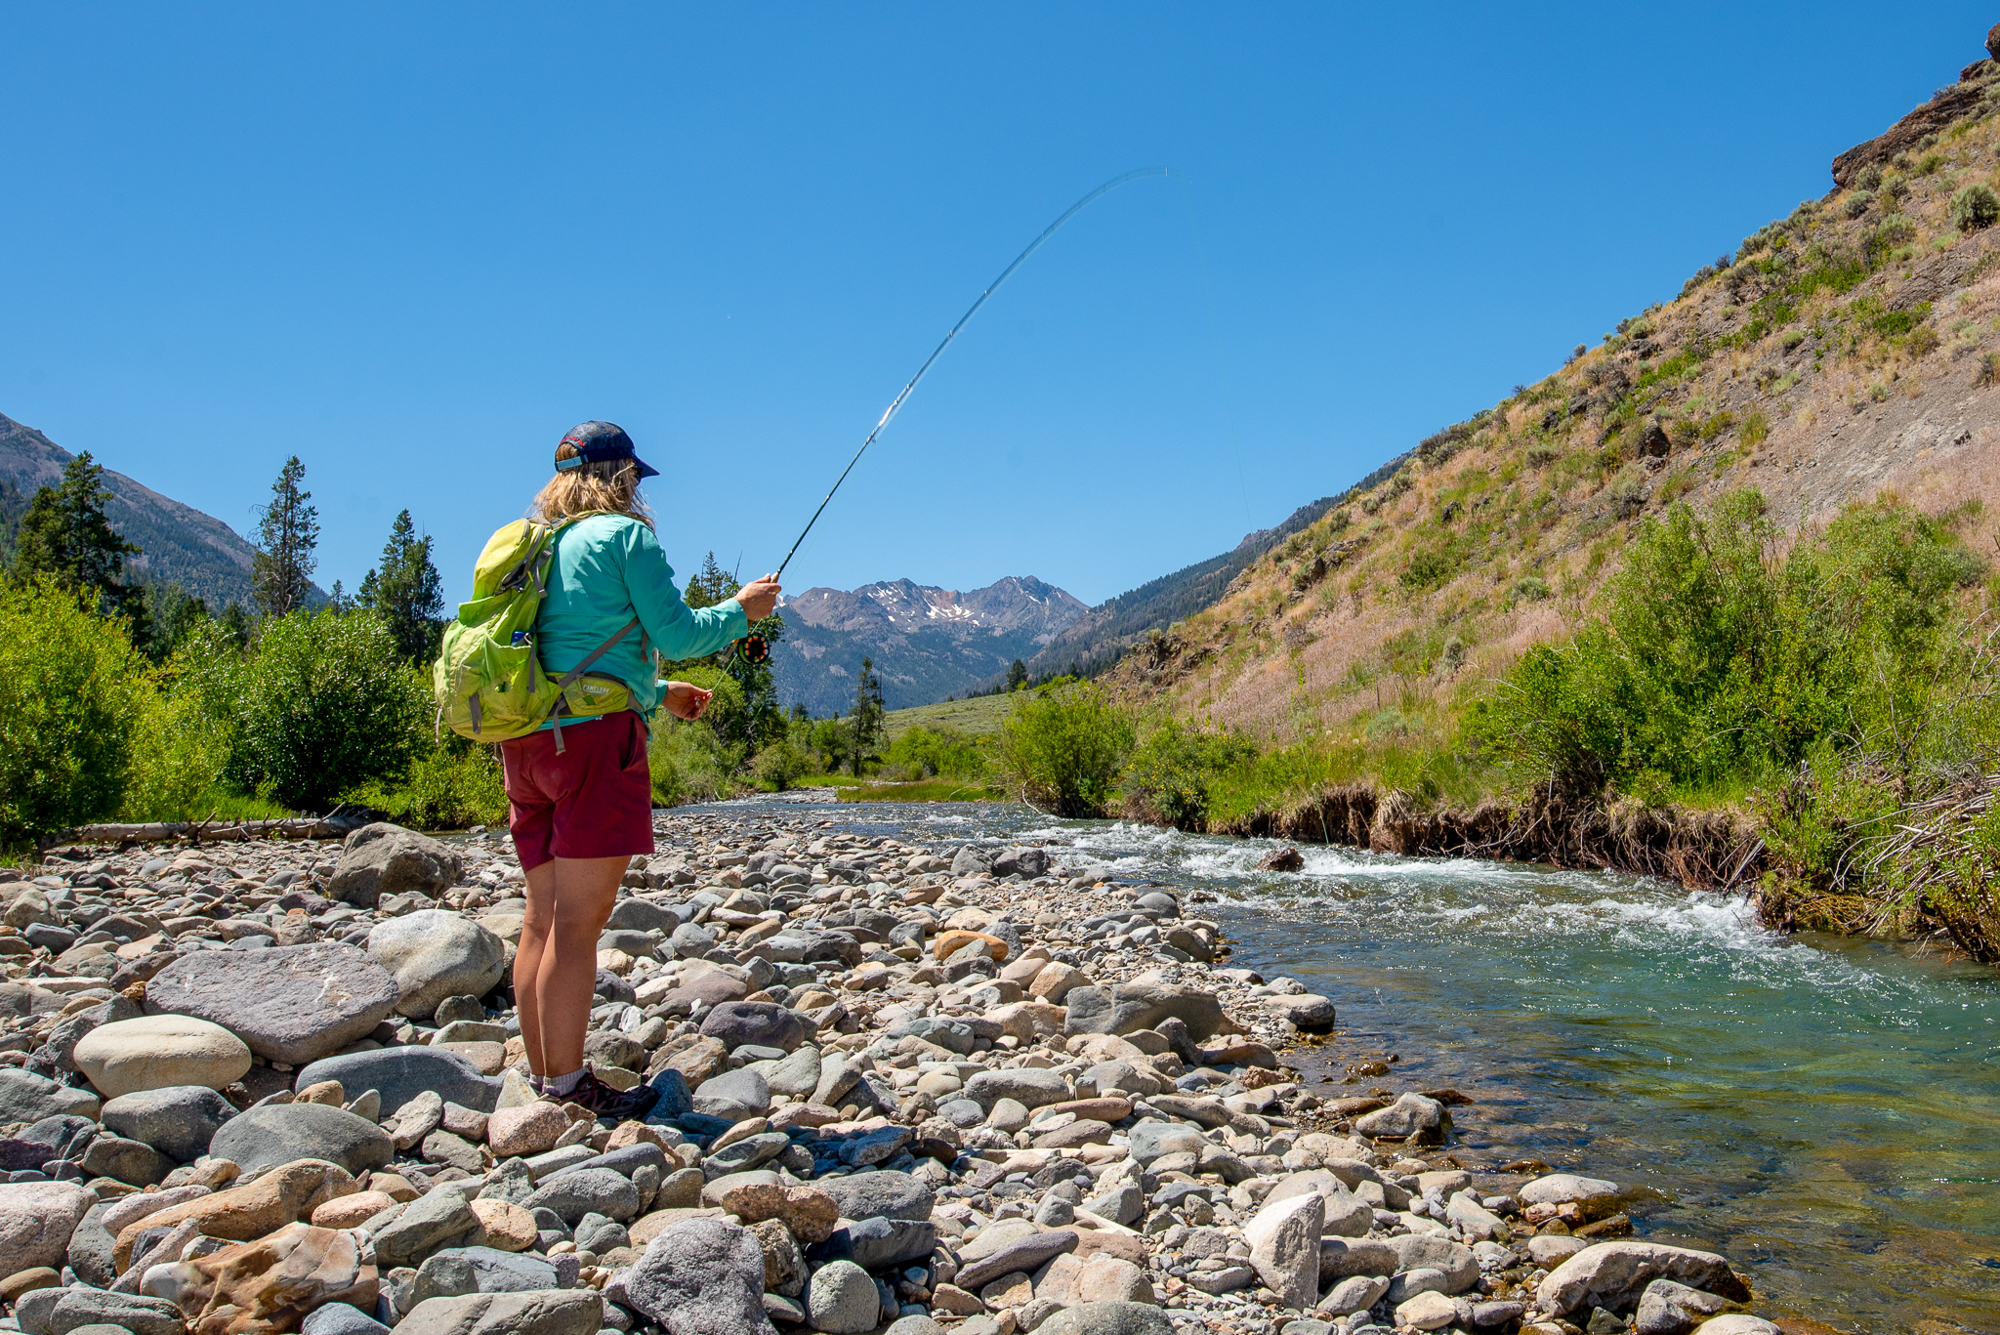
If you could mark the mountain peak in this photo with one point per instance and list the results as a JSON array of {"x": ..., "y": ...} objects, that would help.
[
  {"x": 177, "y": 542},
  {"x": 926, "y": 641}
]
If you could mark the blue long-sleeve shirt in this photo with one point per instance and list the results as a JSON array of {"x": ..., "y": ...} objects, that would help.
[{"x": 608, "y": 569}]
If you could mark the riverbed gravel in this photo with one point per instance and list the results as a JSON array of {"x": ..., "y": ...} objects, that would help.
[{"x": 278, "y": 1086}]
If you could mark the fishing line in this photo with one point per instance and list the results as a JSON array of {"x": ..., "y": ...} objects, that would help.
[{"x": 896, "y": 404}]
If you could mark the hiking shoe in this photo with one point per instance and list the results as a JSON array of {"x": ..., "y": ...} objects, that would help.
[{"x": 614, "y": 1105}]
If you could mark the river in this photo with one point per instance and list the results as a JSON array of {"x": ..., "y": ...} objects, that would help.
[{"x": 1822, "y": 1110}]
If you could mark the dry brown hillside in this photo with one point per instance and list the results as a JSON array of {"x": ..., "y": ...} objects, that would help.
[{"x": 1851, "y": 348}]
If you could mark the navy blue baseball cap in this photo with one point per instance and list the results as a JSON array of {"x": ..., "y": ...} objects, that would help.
[{"x": 597, "y": 442}]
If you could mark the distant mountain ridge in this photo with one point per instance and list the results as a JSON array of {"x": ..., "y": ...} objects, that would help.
[
  {"x": 1094, "y": 641},
  {"x": 179, "y": 543},
  {"x": 926, "y": 642}
]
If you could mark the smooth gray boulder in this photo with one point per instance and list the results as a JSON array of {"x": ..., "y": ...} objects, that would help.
[
  {"x": 1418, "y": 1251},
  {"x": 1151, "y": 1139},
  {"x": 582, "y": 1191},
  {"x": 1126, "y": 1008},
  {"x": 179, "y": 1121},
  {"x": 735, "y": 1095},
  {"x": 27, "y": 1097},
  {"x": 1108, "y": 1319},
  {"x": 546, "y": 1312},
  {"x": 1667, "y": 1308},
  {"x": 1614, "y": 1274},
  {"x": 59, "y": 1311},
  {"x": 338, "y": 1319},
  {"x": 1027, "y": 1086},
  {"x": 841, "y": 1299},
  {"x": 1026, "y": 1254},
  {"x": 293, "y": 1004},
  {"x": 763, "y": 1024},
  {"x": 281, "y": 1133},
  {"x": 457, "y": 1271},
  {"x": 90, "y": 1251},
  {"x": 702, "y": 1275},
  {"x": 643, "y": 915},
  {"x": 400, "y": 1074},
  {"x": 427, "y": 1224},
  {"x": 36, "y": 1220},
  {"x": 434, "y": 954},
  {"x": 1412, "y": 1117},
  {"x": 886, "y": 1194},
  {"x": 1024, "y": 862},
  {"x": 384, "y": 859},
  {"x": 132, "y": 1162}
]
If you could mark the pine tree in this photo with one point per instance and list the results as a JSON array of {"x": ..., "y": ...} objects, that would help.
[
  {"x": 1017, "y": 675},
  {"x": 865, "y": 721},
  {"x": 710, "y": 586},
  {"x": 171, "y": 612},
  {"x": 407, "y": 591},
  {"x": 237, "y": 622},
  {"x": 65, "y": 536},
  {"x": 287, "y": 533}
]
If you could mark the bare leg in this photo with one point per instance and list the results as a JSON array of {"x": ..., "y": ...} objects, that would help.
[{"x": 555, "y": 966}]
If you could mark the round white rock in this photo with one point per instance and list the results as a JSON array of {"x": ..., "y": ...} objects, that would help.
[{"x": 160, "y": 1052}]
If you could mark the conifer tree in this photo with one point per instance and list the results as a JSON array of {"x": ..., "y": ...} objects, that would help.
[
  {"x": 865, "y": 721},
  {"x": 64, "y": 535},
  {"x": 407, "y": 590},
  {"x": 710, "y": 585},
  {"x": 287, "y": 533}
]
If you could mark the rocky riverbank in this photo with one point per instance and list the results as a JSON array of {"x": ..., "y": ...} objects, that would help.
[{"x": 276, "y": 1086}]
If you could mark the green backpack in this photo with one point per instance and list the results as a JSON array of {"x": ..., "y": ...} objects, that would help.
[{"x": 488, "y": 680}]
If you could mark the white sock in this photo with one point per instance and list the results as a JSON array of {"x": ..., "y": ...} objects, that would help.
[{"x": 560, "y": 1085}]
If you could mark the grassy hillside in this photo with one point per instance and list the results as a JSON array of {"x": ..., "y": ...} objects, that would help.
[
  {"x": 1096, "y": 641},
  {"x": 978, "y": 717},
  {"x": 1846, "y": 351}
]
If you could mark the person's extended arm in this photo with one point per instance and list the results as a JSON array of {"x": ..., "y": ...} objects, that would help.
[{"x": 674, "y": 628}]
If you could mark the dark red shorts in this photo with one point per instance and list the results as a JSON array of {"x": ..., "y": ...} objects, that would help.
[{"x": 594, "y": 800}]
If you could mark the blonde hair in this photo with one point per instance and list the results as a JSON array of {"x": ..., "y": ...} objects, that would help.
[{"x": 607, "y": 487}]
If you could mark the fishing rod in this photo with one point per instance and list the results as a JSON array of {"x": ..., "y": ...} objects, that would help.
[{"x": 754, "y": 647}]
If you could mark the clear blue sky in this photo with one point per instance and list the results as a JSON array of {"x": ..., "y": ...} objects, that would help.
[{"x": 413, "y": 244}]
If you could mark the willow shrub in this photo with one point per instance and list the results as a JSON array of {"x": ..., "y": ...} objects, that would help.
[
  {"x": 930, "y": 753},
  {"x": 1064, "y": 747},
  {"x": 1714, "y": 660},
  {"x": 73, "y": 692},
  {"x": 187, "y": 735},
  {"x": 449, "y": 785},
  {"x": 1173, "y": 772},
  {"x": 326, "y": 704},
  {"x": 690, "y": 762}
]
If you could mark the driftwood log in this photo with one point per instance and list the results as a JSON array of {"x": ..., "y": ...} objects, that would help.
[{"x": 159, "y": 832}]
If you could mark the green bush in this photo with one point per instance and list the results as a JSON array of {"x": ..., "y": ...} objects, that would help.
[
  {"x": 1713, "y": 661},
  {"x": 187, "y": 737},
  {"x": 1064, "y": 746},
  {"x": 937, "y": 752},
  {"x": 782, "y": 763},
  {"x": 1531, "y": 589},
  {"x": 690, "y": 763},
  {"x": 1975, "y": 207},
  {"x": 451, "y": 785},
  {"x": 1173, "y": 772},
  {"x": 73, "y": 692},
  {"x": 727, "y": 715},
  {"x": 179, "y": 754},
  {"x": 326, "y": 705}
]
